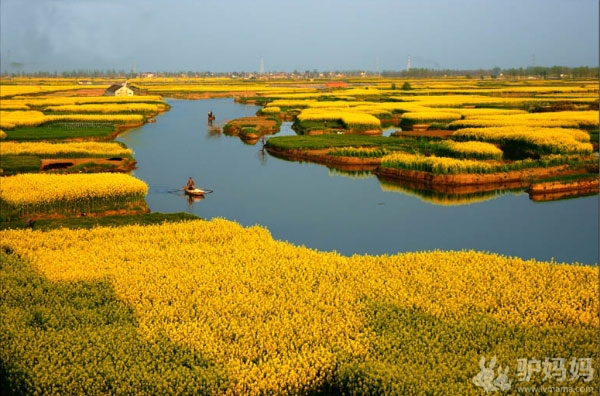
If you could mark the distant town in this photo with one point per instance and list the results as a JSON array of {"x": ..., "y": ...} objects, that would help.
[{"x": 531, "y": 72}]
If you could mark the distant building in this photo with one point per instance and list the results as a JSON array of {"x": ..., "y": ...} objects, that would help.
[{"x": 119, "y": 90}]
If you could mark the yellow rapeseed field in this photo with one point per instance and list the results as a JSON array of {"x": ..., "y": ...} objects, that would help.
[
  {"x": 426, "y": 117},
  {"x": 566, "y": 119},
  {"x": 65, "y": 149},
  {"x": 436, "y": 165},
  {"x": 280, "y": 319},
  {"x": 106, "y": 108},
  {"x": 12, "y": 90},
  {"x": 497, "y": 122},
  {"x": 44, "y": 101},
  {"x": 292, "y": 103},
  {"x": 13, "y": 105},
  {"x": 51, "y": 190},
  {"x": 240, "y": 88},
  {"x": 352, "y": 119},
  {"x": 555, "y": 140},
  {"x": 456, "y": 99},
  {"x": 271, "y": 110},
  {"x": 115, "y": 118},
  {"x": 474, "y": 149},
  {"x": 13, "y": 119},
  {"x": 479, "y": 112}
]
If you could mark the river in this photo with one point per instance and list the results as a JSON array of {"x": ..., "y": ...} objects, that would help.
[{"x": 311, "y": 205}]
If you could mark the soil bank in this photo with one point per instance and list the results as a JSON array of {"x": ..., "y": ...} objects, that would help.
[
  {"x": 321, "y": 156},
  {"x": 476, "y": 182}
]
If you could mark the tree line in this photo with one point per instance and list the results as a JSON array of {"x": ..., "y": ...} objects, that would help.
[{"x": 543, "y": 72}]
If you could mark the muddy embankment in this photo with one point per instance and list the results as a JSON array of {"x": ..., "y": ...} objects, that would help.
[
  {"x": 321, "y": 157},
  {"x": 130, "y": 210},
  {"x": 551, "y": 191},
  {"x": 473, "y": 183},
  {"x": 92, "y": 164}
]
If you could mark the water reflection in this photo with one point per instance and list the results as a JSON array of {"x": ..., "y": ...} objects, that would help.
[
  {"x": 190, "y": 199},
  {"x": 193, "y": 199},
  {"x": 440, "y": 198},
  {"x": 214, "y": 131},
  {"x": 262, "y": 152},
  {"x": 352, "y": 174}
]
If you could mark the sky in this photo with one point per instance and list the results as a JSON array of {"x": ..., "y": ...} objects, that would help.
[{"x": 324, "y": 35}]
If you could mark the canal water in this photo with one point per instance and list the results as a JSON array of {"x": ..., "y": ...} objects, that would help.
[{"x": 351, "y": 213}]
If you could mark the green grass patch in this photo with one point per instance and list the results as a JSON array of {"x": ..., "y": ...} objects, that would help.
[
  {"x": 102, "y": 221},
  {"x": 355, "y": 145},
  {"x": 72, "y": 209},
  {"x": 333, "y": 141},
  {"x": 59, "y": 132},
  {"x": 570, "y": 178},
  {"x": 359, "y": 152},
  {"x": 248, "y": 130},
  {"x": 12, "y": 164},
  {"x": 258, "y": 100}
]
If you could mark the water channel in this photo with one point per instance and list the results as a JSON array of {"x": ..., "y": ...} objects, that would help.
[{"x": 312, "y": 205}]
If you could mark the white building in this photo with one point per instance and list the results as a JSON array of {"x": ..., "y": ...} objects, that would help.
[{"x": 119, "y": 90}]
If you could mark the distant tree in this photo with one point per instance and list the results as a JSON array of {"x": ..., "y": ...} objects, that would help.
[
  {"x": 557, "y": 71},
  {"x": 495, "y": 72},
  {"x": 585, "y": 72},
  {"x": 406, "y": 86},
  {"x": 513, "y": 73}
]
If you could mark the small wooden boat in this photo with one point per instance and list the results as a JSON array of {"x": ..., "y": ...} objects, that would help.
[{"x": 194, "y": 192}]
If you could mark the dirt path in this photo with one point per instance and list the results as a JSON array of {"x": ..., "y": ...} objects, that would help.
[{"x": 118, "y": 164}]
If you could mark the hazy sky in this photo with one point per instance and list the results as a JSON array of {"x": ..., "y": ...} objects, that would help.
[{"x": 234, "y": 35}]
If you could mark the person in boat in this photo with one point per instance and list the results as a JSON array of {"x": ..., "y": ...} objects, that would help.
[
  {"x": 191, "y": 185},
  {"x": 211, "y": 116}
]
